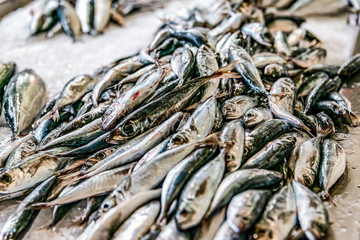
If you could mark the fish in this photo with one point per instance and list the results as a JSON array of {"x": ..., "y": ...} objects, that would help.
[
  {"x": 171, "y": 232},
  {"x": 307, "y": 161},
  {"x": 74, "y": 90},
  {"x": 197, "y": 126},
  {"x": 209, "y": 226},
  {"x": 161, "y": 147},
  {"x": 9, "y": 148},
  {"x": 246, "y": 68},
  {"x": 113, "y": 75},
  {"x": 23, "y": 217},
  {"x": 310, "y": 57},
  {"x": 236, "y": 107},
  {"x": 225, "y": 232},
  {"x": 101, "y": 14},
  {"x": 7, "y": 71},
  {"x": 311, "y": 82},
  {"x": 160, "y": 109},
  {"x": 139, "y": 223},
  {"x": 24, "y": 97},
  {"x": 195, "y": 198},
  {"x": 280, "y": 43},
  {"x": 345, "y": 103},
  {"x": 332, "y": 167},
  {"x": 275, "y": 71},
  {"x": 180, "y": 174},
  {"x": 263, "y": 59},
  {"x": 272, "y": 154},
  {"x": 130, "y": 100},
  {"x": 254, "y": 116},
  {"x": 29, "y": 172},
  {"x": 106, "y": 226},
  {"x": 233, "y": 137},
  {"x": 245, "y": 209},
  {"x": 24, "y": 150},
  {"x": 45, "y": 18},
  {"x": 239, "y": 181},
  {"x": 182, "y": 63},
  {"x": 312, "y": 214},
  {"x": 97, "y": 185},
  {"x": 258, "y": 32},
  {"x": 282, "y": 102},
  {"x": 331, "y": 108},
  {"x": 69, "y": 20},
  {"x": 349, "y": 68},
  {"x": 148, "y": 141},
  {"x": 279, "y": 216},
  {"x": 85, "y": 12},
  {"x": 326, "y": 126},
  {"x": 262, "y": 134}
]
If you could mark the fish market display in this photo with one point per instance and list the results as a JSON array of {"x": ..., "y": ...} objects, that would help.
[
  {"x": 223, "y": 127},
  {"x": 83, "y": 16}
]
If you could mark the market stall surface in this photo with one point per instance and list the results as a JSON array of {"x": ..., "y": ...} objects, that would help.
[{"x": 58, "y": 59}]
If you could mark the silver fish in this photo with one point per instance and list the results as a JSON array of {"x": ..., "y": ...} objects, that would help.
[
  {"x": 254, "y": 116},
  {"x": 258, "y": 32},
  {"x": 333, "y": 164},
  {"x": 233, "y": 136},
  {"x": 239, "y": 181},
  {"x": 312, "y": 213},
  {"x": 101, "y": 14},
  {"x": 139, "y": 223},
  {"x": 307, "y": 160},
  {"x": 209, "y": 226},
  {"x": 83, "y": 10},
  {"x": 105, "y": 226},
  {"x": 171, "y": 232},
  {"x": 236, "y": 107},
  {"x": 195, "y": 199},
  {"x": 24, "y": 98},
  {"x": 68, "y": 19},
  {"x": 282, "y": 102},
  {"x": 279, "y": 216},
  {"x": 9, "y": 148},
  {"x": 198, "y": 126},
  {"x": 245, "y": 209}
]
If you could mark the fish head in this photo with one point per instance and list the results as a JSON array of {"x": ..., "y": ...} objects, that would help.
[
  {"x": 304, "y": 177},
  {"x": 252, "y": 117},
  {"x": 8, "y": 235},
  {"x": 9, "y": 180},
  {"x": 185, "y": 216}
]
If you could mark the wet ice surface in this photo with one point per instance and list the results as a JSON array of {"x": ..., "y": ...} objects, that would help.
[{"x": 59, "y": 59}]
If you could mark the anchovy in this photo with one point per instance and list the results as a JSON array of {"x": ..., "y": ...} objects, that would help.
[
  {"x": 68, "y": 19},
  {"x": 101, "y": 14}
]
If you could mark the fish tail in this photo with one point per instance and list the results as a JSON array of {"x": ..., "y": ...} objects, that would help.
[
  {"x": 39, "y": 206},
  {"x": 324, "y": 195},
  {"x": 354, "y": 119},
  {"x": 45, "y": 227}
]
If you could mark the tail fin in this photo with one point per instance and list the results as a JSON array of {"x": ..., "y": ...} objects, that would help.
[{"x": 354, "y": 119}]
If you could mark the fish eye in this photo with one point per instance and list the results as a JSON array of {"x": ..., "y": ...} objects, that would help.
[
  {"x": 101, "y": 155},
  {"x": 5, "y": 178},
  {"x": 9, "y": 235},
  {"x": 129, "y": 129},
  {"x": 178, "y": 139}
]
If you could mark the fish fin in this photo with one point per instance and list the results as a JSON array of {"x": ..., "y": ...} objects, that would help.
[
  {"x": 212, "y": 139},
  {"x": 39, "y": 205},
  {"x": 324, "y": 195},
  {"x": 117, "y": 17},
  {"x": 45, "y": 227},
  {"x": 81, "y": 221},
  {"x": 55, "y": 115},
  {"x": 227, "y": 68}
]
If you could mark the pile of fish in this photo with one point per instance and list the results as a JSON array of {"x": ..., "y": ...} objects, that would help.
[
  {"x": 224, "y": 127},
  {"x": 83, "y": 16}
]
